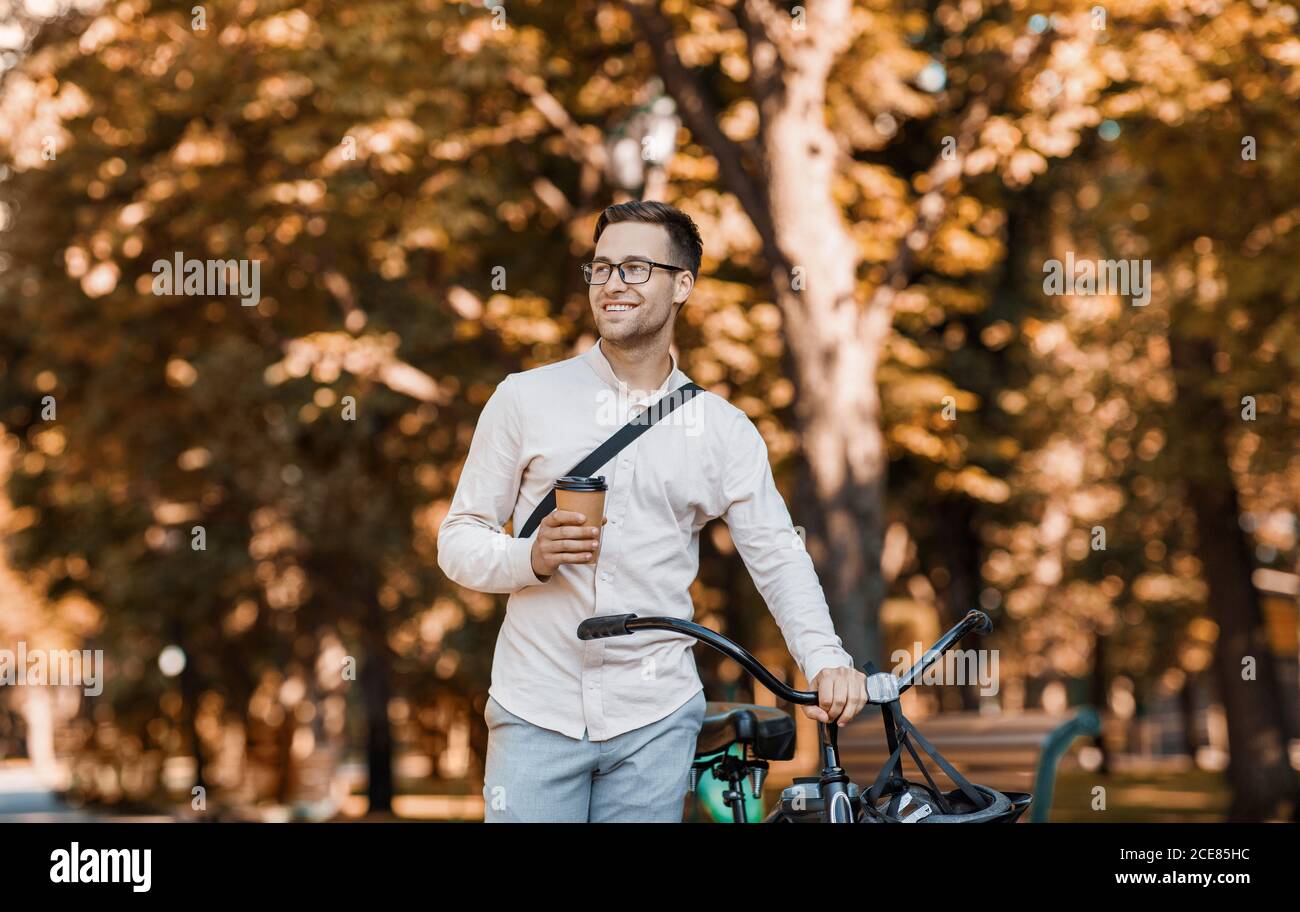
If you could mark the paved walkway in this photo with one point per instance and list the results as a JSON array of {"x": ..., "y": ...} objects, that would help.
[{"x": 24, "y": 798}]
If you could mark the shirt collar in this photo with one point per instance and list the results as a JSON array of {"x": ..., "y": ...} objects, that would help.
[{"x": 595, "y": 357}]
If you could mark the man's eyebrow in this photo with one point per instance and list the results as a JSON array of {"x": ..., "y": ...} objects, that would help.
[{"x": 635, "y": 256}]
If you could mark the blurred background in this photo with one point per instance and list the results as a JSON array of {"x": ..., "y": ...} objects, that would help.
[{"x": 238, "y": 503}]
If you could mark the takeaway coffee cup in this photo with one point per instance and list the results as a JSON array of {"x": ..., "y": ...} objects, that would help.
[{"x": 582, "y": 495}]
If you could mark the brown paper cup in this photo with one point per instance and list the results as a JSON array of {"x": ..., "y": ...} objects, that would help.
[{"x": 590, "y": 504}]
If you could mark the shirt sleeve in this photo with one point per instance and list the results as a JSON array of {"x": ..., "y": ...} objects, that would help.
[
  {"x": 775, "y": 555},
  {"x": 473, "y": 549}
]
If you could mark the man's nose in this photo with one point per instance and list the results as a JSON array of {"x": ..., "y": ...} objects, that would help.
[{"x": 615, "y": 281}]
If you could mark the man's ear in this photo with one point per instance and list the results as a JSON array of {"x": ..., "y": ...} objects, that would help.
[{"x": 688, "y": 285}]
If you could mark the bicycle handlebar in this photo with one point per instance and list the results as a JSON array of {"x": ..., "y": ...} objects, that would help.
[
  {"x": 626, "y": 624},
  {"x": 974, "y": 622}
]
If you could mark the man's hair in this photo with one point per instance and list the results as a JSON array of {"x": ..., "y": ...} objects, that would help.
[{"x": 684, "y": 242}]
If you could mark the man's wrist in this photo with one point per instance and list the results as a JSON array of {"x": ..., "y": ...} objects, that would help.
[{"x": 538, "y": 574}]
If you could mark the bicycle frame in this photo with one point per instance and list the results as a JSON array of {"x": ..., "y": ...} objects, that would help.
[{"x": 833, "y": 780}]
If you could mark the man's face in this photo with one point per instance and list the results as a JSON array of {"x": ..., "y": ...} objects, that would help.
[{"x": 654, "y": 301}]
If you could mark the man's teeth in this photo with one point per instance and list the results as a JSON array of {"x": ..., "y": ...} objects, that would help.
[{"x": 619, "y": 306}]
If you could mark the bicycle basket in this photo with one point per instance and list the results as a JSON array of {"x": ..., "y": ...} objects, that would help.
[{"x": 893, "y": 799}]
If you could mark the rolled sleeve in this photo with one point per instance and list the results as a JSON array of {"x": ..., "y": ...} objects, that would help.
[{"x": 774, "y": 553}]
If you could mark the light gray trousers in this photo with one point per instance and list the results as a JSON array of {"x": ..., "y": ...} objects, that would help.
[{"x": 535, "y": 775}]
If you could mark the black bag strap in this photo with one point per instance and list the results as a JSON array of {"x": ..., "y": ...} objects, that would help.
[{"x": 639, "y": 424}]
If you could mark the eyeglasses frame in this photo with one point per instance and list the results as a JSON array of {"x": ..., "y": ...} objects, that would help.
[{"x": 619, "y": 266}]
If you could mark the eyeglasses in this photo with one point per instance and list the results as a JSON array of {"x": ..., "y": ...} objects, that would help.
[{"x": 633, "y": 272}]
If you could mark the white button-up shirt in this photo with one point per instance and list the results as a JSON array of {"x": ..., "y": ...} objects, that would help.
[{"x": 703, "y": 460}]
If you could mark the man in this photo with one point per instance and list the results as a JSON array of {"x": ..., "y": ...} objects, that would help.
[{"x": 605, "y": 730}]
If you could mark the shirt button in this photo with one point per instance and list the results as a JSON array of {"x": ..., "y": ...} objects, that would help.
[
  {"x": 605, "y": 576},
  {"x": 624, "y": 463}
]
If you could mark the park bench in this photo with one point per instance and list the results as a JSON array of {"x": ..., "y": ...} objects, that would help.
[{"x": 1010, "y": 752}]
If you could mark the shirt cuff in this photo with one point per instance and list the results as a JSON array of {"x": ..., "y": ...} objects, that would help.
[
  {"x": 825, "y": 658},
  {"x": 521, "y": 560}
]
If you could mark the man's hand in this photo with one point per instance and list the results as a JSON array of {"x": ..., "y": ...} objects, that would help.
[
  {"x": 563, "y": 539},
  {"x": 841, "y": 694}
]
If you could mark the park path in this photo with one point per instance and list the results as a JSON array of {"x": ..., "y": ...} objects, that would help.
[{"x": 25, "y": 798}]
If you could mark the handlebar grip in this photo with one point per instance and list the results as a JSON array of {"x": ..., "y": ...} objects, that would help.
[{"x": 608, "y": 625}]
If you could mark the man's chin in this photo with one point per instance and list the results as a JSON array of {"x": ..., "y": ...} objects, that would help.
[{"x": 616, "y": 330}]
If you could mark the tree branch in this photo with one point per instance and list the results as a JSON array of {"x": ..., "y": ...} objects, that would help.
[
  {"x": 701, "y": 118},
  {"x": 936, "y": 200},
  {"x": 582, "y": 148}
]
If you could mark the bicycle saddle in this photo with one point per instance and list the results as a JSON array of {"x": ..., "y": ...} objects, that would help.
[{"x": 768, "y": 731}]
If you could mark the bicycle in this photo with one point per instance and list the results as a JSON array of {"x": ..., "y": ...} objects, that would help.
[{"x": 765, "y": 733}]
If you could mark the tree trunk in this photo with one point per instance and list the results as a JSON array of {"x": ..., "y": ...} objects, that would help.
[
  {"x": 844, "y": 468},
  {"x": 286, "y": 782},
  {"x": 37, "y": 706},
  {"x": 1258, "y": 768},
  {"x": 1097, "y": 695},
  {"x": 961, "y": 558},
  {"x": 191, "y": 689},
  {"x": 1187, "y": 709},
  {"x": 833, "y": 341},
  {"x": 376, "y": 687}
]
